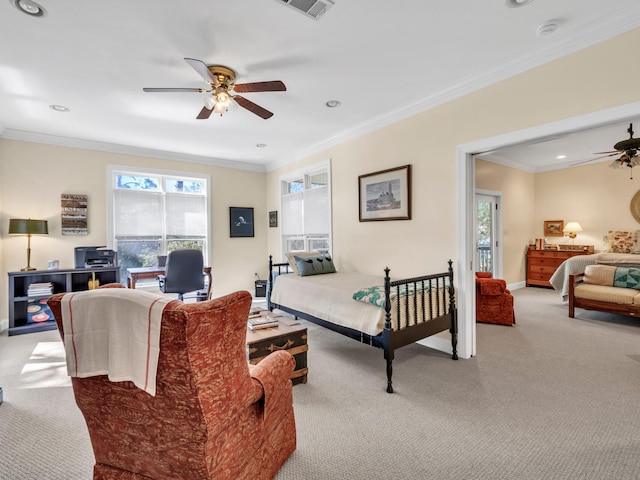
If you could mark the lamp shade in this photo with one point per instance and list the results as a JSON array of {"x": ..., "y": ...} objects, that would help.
[
  {"x": 572, "y": 227},
  {"x": 20, "y": 226}
]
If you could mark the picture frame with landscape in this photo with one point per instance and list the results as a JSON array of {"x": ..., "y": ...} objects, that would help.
[
  {"x": 385, "y": 195},
  {"x": 553, "y": 228}
]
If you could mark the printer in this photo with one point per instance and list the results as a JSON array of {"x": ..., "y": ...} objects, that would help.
[{"x": 95, "y": 257}]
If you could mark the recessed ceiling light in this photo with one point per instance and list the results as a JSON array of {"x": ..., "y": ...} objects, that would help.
[
  {"x": 561, "y": 157},
  {"x": 333, "y": 103},
  {"x": 261, "y": 145},
  {"x": 29, "y": 7},
  {"x": 59, "y": 108},
  {"x": 518, "y": 3}
]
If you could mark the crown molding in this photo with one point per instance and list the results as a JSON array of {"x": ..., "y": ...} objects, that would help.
[
  {"x": 128, "y": 150},
  {"x": 570, "y": 42}
]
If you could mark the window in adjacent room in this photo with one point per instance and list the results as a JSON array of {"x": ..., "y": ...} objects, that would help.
[
  {"x": 306, "y": 209},
  {"x": 154, "y": 212}
]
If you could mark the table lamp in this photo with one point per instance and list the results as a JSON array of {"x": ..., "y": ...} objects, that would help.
[{"x": 28, "y": 227}]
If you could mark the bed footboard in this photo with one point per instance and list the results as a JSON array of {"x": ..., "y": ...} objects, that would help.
[{"x": 423, "y": 307}]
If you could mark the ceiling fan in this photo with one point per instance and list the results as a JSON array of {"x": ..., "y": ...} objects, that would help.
[
  {"x": 222, "y": 85},
  {"x": 627, "y": 149}
]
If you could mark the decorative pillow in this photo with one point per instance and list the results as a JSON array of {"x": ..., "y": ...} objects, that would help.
[
  {"x": 292, "y": 261},
  {"x": 315, "y": 265},
  {"x": 599, "y": 274},
  {"x": 627, "y": 278},
  {"x": 621, "y": 242}
]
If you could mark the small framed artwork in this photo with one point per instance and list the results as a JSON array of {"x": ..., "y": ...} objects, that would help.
[
  {"x": 385, "y": 195},
  {"x": 241, "y": 221},
  {"x": 553, "y": 228},
  {"x": 273, "y": 218}
]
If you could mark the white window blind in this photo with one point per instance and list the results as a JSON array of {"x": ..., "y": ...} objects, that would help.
[
  {"x": 154, "y": 212},
  {"x": 306, "y": 210}
]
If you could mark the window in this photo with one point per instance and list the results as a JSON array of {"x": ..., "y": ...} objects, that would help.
[
  {"x": 156, "y": 212},
  {"x": 306, "y": 210}
]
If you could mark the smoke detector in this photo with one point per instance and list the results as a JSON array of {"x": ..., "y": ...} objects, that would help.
[
  {"x": 547, "y": 28},
  {"x": 310, "y": 8}
]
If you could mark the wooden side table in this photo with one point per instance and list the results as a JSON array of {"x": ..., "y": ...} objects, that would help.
[{"x": 289, "y": 336}]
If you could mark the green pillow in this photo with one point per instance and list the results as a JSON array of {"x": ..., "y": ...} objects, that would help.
[
  {"x": 315, "y": 265},
  {"x": 627, "y": 277}
]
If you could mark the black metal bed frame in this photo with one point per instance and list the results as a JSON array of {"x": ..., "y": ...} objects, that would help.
[{"x": 416, "y": 328}]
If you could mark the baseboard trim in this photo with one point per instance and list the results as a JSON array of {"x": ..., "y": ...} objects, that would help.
[{"x": 517, "y": 285}]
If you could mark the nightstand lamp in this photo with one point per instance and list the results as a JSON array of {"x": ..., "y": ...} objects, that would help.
[
  {"x": 571, "y": 230},
  {"x": 28, "y": 227}
]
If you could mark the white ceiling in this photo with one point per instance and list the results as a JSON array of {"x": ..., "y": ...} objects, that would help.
[{"x": 382, "y": 60}]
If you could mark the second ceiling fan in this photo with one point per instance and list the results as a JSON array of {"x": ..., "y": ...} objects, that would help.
[{"x": 224, "y": 89}]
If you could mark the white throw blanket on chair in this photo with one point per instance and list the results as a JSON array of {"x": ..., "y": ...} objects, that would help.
[{"x": 114, "y": 332}]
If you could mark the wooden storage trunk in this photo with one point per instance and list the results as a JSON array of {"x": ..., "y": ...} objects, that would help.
[{"x": 292, "y": 338}]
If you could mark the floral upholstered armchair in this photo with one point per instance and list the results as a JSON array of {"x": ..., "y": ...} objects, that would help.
[
  {"x": 494, "y": 302},
  {"x": 213, "y": 415}
]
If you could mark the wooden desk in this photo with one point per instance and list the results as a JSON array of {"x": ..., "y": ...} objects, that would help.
[{"x": 135, "y": 274}]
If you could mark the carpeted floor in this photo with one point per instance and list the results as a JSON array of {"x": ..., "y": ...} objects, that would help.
[{"x": 551, "y": 398}]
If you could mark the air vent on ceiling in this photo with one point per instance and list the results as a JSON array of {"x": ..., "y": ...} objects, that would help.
[{"x": 311, "y": 8}]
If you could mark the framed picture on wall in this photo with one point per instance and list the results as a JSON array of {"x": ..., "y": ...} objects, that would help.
[
  {"x": 273, "y": 218},
  {"x": 385, "y": 195},
  {"x": 241, "y": 221},
  {"x": 553, "y": 228}
]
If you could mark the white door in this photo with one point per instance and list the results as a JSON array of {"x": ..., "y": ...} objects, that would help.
[{"x": 488, "y": 241}]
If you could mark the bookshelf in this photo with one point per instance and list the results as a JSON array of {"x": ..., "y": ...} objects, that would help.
[{"x": 72, "y": 280}]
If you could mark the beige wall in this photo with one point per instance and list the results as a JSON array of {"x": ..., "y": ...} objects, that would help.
[
  {"x": 562, "y": 89},
  {"x": 596, "y": 196},
  {"x": 32, "y": 177},
  {"x": 518, "y": 212}
]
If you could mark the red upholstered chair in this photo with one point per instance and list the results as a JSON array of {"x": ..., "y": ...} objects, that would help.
[
  {"x": 494, "y": 302},
  {"x": 214, "y": 416}
]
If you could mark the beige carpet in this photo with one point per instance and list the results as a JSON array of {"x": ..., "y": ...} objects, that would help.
[{"x": 551, "y": 398}]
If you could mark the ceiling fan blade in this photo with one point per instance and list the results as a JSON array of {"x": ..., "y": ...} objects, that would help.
[
  {"x": 198, "y": 90},
  {"x": 273, "y": 86},
  {"x": 252, "y": 107},
  {"x": 610, "y": 154},
  {"x": 604, "y": 153},
  {"x": 200, "y": 67},
  {"x": 204, "y": 113}
]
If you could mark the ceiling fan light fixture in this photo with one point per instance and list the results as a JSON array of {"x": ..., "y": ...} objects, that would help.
[
  {"x": 29, "y": 7},
  {"x": 615, "y": 164}
]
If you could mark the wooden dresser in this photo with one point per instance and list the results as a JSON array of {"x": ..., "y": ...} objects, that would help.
[{"x": 541, "y": 264}]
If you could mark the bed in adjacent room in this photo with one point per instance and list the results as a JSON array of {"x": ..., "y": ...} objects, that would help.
[
  {"x": 622, "y": 249},
  {"x": 371, "y": 309}
]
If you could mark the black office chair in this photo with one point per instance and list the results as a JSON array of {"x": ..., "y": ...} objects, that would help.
[{"x": 184, "y": 273}]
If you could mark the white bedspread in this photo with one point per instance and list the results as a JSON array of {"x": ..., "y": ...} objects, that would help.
[
  {"x": 330, "y": 297},
  {"x": 114, "y": 332}
]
